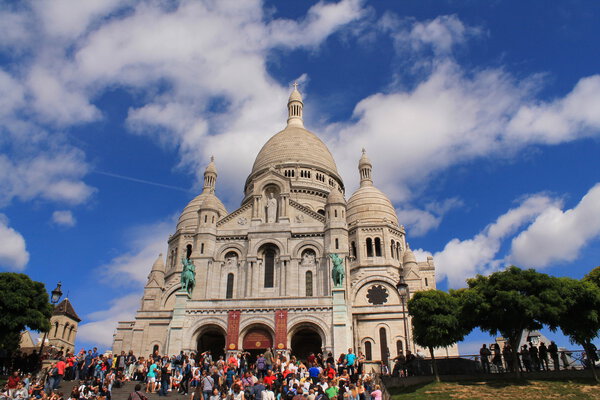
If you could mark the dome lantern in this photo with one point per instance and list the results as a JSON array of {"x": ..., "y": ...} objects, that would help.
[
  {"x": 210, "y": 176},
  {"x": 365, "y": 168},
  {"x": 295, "y": 106}
]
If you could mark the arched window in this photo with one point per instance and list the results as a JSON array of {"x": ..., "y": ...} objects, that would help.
[
  {"x": 205, "y": 218},
  {"x": 70, "y": 333},
  {"x": 321, "y": 211},
  {"x": 368, "y": 351},
  {"x": 369, "y": 247},
  {"x": 229, "y": 293},
  {"x": 269, "y": 267},
  {"x": 353, "y": 249},
  {"x": 337, "y": 243},
  {"x": 188, "y": 251},
  {"x": 155, "y": 349},
  {"x": 399, "y": 347},
  {"x": 426, "y": 282},
  {"x": 335, "y": 213},
  {"x": 392, "y": 249},
  {"x": 201, "y": 248},
  {"x": 309, "y": 284},
  {"x": 398, "y": 250},
  {"x": 65, "y": 330},
  {"x": 383, "y": 345},
  {"x": 213, "y": 219},
  {"x": 56, "y": 329},
  {"x": 377, "y": 247}
]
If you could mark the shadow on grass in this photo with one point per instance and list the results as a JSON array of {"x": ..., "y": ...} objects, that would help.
[
  {"x": 407, "y": 389},
  {"x": 497, "y": 384}
]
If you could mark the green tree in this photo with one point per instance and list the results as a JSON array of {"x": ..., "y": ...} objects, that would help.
[
  {"x": 580, "y": 320},
  {"x": 23, "y": 305},
  {"x": 436, "y": 323},
  {"x": 510, "y": 301},
  {"x": 593, "y": 276}
]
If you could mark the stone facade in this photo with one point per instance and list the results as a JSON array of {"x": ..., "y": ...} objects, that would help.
[
  {"x": 263, "y": 272},
  {"x": 63, "y": 327}
]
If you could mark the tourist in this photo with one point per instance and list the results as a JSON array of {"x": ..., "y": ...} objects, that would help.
[
  {"x": 350, "y": 361},
  {"x": 497, "y": 359},
  {"x": 507, "y": 353},
  {"x": 553, "y": 351},
  {"x": 543, "y": 355},
  {"x": 535, "y": 360},
  {"x": 165, "y": 379},
  {"x": 485, "y": 354},
  {"x": 377, "y": 394},
  {"x": 526, "y": 358},
  {"x": 237, "y": 393},
  {"x": 151, "y": 377},
  {"x": 208, "y": 384},
  {"x": 136, "y": 395}
]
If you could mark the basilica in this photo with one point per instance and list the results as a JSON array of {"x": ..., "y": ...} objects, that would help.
[{"x": 263, "y": 275}]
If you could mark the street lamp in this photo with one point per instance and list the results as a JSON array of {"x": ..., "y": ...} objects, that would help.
[
  {"x": 55, "y": 296},
  {"x": 404, "y": 293}
]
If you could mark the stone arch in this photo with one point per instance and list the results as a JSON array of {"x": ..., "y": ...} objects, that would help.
[
  {"x": 170, "y": 293},
  {"x": 152, "y": 345},
  {"x": 310, "y": 243},
  {"x": 306, "y": 320},
  {"x": 224, "y": 249},
  {"x": 262, "y": 324},
  {"x": 306, "y": 337},
  {"x": 273, "y": 241},
  {"x": 203, "y": 324}
]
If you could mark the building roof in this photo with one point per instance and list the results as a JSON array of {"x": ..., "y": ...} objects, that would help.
[
  {"x": 295, "y": 145},
  {"x": 66, "y": 308}
]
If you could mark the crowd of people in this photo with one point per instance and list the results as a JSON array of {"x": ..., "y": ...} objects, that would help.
[
  {"x": 268, "y": 376},
  {"x": 529, "y": 358}
]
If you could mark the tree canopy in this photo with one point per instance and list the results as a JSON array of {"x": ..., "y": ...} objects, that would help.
[
  {"x": 510, "y": 301},
  {"x": 23, "y": 305},
  {"x": 593, "y": 276},
  {"x": 436, "y": 321},
  {"x": 580, "y": 320}
]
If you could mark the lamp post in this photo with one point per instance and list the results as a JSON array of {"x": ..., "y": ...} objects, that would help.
[
  {"x": 55, "y": 296},
  {"x": 404, "y": 293}
]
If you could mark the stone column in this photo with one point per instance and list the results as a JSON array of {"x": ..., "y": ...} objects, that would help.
[
  {"x": 342, "y": 328},
  {"x": 175, "y": 333}
]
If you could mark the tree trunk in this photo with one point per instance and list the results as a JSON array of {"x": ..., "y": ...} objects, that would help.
[
  {"x": 514, "y": 344},
  {"x": 434, "y": 363},
  {"x": 587, "y": 347}
]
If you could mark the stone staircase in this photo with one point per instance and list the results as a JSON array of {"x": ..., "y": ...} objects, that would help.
[{"x": 123, "y": 393}]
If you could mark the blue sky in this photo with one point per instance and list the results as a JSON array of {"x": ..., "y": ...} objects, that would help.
[{"x": 482, "y": 120}]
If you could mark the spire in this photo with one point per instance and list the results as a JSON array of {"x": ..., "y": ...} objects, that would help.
[
  {"x": 295, "y": 105},
  {"x": 159, "y": 264},
  {"x": 210, "y": 176},
  {"x": 364, "y": 168}
]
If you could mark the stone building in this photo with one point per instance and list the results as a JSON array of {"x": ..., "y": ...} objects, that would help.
[
  {"x": 263, "y": 272},
  {"x": 63, "y": 327}
]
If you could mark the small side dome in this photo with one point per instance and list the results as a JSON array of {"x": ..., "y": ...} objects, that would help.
[
  {"x": 211, "y": 203},
  {"x": 189, "y": 216},
  {"x": 335, "y": 197},
  {"x": 409, "y": 257},
  {"x": 369, "y": 204}
]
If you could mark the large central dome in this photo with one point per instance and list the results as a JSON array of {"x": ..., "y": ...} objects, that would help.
[{"x": 295, "y": 145}]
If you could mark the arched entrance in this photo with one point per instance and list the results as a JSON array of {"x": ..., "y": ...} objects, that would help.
[
  {"x": 306, "y": 340},
  {"x": 213, "y": 339},
  {"x": 256, "y": 341}
]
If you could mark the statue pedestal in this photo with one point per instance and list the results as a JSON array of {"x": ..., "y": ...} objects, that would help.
[
  {"x": 342, "y": 326},
  {"x": 175, "y": 335}
]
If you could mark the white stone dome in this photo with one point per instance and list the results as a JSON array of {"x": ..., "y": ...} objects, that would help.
[
  {"x": 335, "y": 197},
  {"x": 189, "y": 215},
  {"x": 369, "y": 204},
  {"x": 295, "y": 145}
]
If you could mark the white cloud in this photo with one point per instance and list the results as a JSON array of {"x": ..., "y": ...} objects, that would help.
[
  {"x": 13, "y": 252},
  {"x": 556, "y": 235},
  {"x": 102, "y": 324},
  {"x": 419, "y": 222},
  {"x": 145, "y": 244},
  {"x": 64, "y": 218},
  {"x": 461, "y": 259}
]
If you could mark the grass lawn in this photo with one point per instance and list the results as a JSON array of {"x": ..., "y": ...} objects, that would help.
[{"x": 501, "y": 390}]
